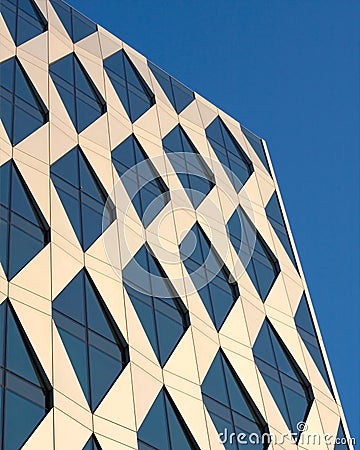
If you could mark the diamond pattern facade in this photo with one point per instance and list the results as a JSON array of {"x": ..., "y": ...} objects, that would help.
[{"x": 151, "y": 296}]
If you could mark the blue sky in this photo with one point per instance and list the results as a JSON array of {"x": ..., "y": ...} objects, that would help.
[{"x": 289, "y": 71}]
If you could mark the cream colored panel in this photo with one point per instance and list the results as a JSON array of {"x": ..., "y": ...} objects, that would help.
[
  {"x": 69, "y": 407},
  {"x": 35, "y": 276},
  {"x": 235, "y": 325},
  {"x": 192, "y": 411},
  {"x": 182, "y": 361},
  {"x": 3, "y": 284},
  {"x": 251, "y": 193},
  {"x": 36, "y": 145},
  {"x": 315, "y": 428},
  {"x": 148, "y": 123},
  {"x": 192, "y": 114},
  {"x": 110, "y": 444},
  {"x": 119, "y": 129},
  {"x": 65, "y": 428},
  {"x": 115, "y": 432},
  {"x": 208, "y": 112},
  {"x": 294, "y": 291},
  {"x": 64, "y": 269},
  {"x": 168, "y": 119},
  {"x": 130, "y": 241},
  {"x": 277, "y": 297},
  {"x": 7, "y": 48},
  {"x": 91, "y": 44},
  {"x": 60, "y": 142},
  {"x": 38, "y": 329},
  {"x": 65, "y": 380},
  {"x": 104, "y": 254},
  {"x": 43, "y": 436},
  {"x": 96, "y": 136},
  {"x": 36, "y": 176},
  {"x": 38, "y": 73},
  {"x": 60, "y": 45},
  {"x": 254, "y": 318},
  {"x": 146, "y": 389},
  {"x": 199, "y": 316},
  {"x": 205, "y": 350},
  {"x": 109, "y": 407},
  {"x": 94, "y": 69},
  {"x": 109, "y": 43},
  {"x": 27, "y": 297},
  {"x": 189, "y": 125},
  {"x": 38, "y": 48},
  {"x": 266, "y": 187}
]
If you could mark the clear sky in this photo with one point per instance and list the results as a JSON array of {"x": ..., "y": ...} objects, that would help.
[{"x": 288, "y": 70}]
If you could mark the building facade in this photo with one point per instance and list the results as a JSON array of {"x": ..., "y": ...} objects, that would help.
[{"x": 151, "y": 293}]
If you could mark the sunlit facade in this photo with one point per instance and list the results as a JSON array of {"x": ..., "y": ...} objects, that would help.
[{"x": 151, "y": 292}]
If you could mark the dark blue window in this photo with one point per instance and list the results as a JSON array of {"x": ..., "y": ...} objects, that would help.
[
  {"x": 229, "y": 152},
  {"x": 286, "y": 382},
  {"x": 209, "y": 274},
  {"x": 77, "y": 25},
  {"x": 231, "y": 408},
  {"x": 341, "y": 442},
  {"x": 24, "y": 231},
  {"x": 83, "y": 196},
  {"x": 179, "y": 95},
  {"x": 161, "y": 312},
  {"x": 81, "y": 98},
  {"x": 257, "y": 145},
  {"x": 306, "y": 329},
  {"x": 92, "y": 444},
  {"x": 259, "y": 261},
  {"x": 147, "y": 190},
  {"x": 23, "y": 19},
  {"x": 163, "y": 428},
  {"x": 129, "y": 85},
  {"x": 276, "y": 219},
  {"x": 95, "y": 345},
  {"x": 22, "y": 110},
  {"x": 25, "y": 391},
  {"x": 192, "y": 170}
]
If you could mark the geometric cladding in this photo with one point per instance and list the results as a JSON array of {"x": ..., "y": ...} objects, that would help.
[
  {"x": 23, "y": 19},
  {"x": 81, "y": 98},
  {"x": 288, "y": 385},
  {"x": 24, "y": 231},
  {"x": 83, "y": 196},
  {"x": 210, "y": 276},
  {"x": 163, "y": 427},
  {"x": 25, "y": 388},
  {"x": 179, "y": 95},
  {"x": 77, "y": 25},
  {"x": 147, "y": 190},
  {"x": 258, "y": 259},
  {"x": 22, "y": 110},
  {"x": 230, "y": 405},
  {"x": 163, "y": 316},
  {"x": 94, "y": 343},
  {"x": 305, "y": 327},
  {"x": 129, "y": 85},
  {"x": 151, "y": 295}
]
